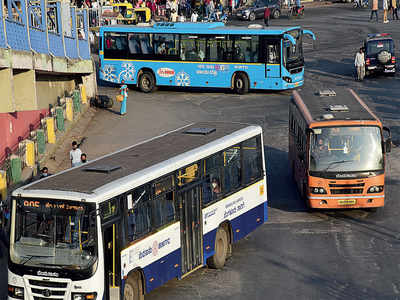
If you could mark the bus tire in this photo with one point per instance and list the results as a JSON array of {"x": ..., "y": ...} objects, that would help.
[
  {"x": 133, "y": 289},
  {"x": 147, "y": 82},
  {"x": 241, "y": 84},
  {"x": 217, "y": 261}
]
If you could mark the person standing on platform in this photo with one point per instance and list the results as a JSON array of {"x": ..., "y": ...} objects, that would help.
[{"x": 124, "y": 92}]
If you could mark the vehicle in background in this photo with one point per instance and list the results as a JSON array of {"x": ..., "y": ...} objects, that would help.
[
  {"x": 379, "y": 54},
  {"x": 203, "y": 55},
  {"x": 337, "y": 150},
  {"x": 256, "y": 10},
  {"x": 124, "y": 224}
]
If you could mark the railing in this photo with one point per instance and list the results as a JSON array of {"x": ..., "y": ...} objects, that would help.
[{"x": 45, "y": 27}]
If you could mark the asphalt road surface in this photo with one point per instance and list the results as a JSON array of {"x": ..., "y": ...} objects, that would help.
[{"x": 296, "y": 255}]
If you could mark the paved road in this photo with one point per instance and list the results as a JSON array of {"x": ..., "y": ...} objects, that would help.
[{"x": 321, "y": 255}]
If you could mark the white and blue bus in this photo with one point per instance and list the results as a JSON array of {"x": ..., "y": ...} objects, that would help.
[
  {"x": 124, "y": 224},
  {"x": 203, "y": 55}
]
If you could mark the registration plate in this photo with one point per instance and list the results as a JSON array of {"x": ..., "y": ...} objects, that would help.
[{"x": 347, "y": 202}]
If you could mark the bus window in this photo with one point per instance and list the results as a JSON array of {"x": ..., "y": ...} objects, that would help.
[
  {"x": 232, "y": 169},
  {"x": 140, "y": 214},
  {"x": 166, "y": 45},
  {"x": 139, "y": 45},
  {"x": 212, "y": 186},
  {"x": 115, "y": 45},
  {"x": 245, "y": 49},
  {"x": 252, "y": 160},
  {"x": 163, "y": 204},
  {"x": 188, "y": 174},
  {"x": 193, "y": 48},
  {"x": 216, "y": 48}
]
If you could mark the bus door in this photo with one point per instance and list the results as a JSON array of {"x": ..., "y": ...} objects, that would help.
[
  {"x": 111, "y": 229},
  {"x": 271, "y": 57},
  {"x": 189, "y": 200}
]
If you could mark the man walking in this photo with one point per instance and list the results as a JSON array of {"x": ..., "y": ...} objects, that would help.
[
  {"x": 75, "y": 155},
  {"x": 374, "y": 10},
  {"x": 359, "y": 63}
]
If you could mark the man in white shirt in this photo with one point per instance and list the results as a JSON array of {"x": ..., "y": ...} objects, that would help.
[
  {"x": 75, "y": 155},
  {"x": 359, "y": 63}
]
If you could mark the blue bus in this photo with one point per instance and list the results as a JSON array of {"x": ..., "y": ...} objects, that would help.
[{"x": 203, "y": 55}]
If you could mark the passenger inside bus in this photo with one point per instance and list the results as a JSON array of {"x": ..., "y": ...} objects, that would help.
[{"x": 216, "y": 188}]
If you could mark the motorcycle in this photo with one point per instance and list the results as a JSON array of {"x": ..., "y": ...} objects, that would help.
[{"x": 296, "y": 11}]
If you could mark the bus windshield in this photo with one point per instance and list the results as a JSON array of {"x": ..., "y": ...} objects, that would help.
[
  {"x": 293, "y": 54},
  {"x": 346, "y": 149},
  {"x": 54, "y": 234}
]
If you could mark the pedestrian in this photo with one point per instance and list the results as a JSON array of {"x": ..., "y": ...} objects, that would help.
[
  {"x": 359, "y": 63},
  {"x": 385, "y": 7},
  {"x": 75, "y": 154},
  {"x": 44, "y": 173},
  {"x": 394, "y": 10},
  {"x": 83, "y": 158},
  {"x": 374, "y": 10},
  {"x": 123, "y": 90},
  {"x": 267, "y": 13}
]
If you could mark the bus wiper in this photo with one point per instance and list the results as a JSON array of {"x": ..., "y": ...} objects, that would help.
[
  {"x": 337, "y": 162},
  {"x": 35, "y": 256}
]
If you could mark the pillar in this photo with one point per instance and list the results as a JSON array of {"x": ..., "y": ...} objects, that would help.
[
  {"x": 69, "y": 111},
  {"x": 51, "y": 135},
  {"x": 29, "y": 153},
  {"x": 3, "y": 184},
  {"x": 41, "y": 141},
  {"x": 60, "y": 118}
]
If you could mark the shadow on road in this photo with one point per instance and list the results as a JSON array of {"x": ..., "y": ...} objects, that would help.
[{"x": 282, "y": 192}]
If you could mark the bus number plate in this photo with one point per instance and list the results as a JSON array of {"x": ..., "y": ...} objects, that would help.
[{"x": 347, "y": 202}]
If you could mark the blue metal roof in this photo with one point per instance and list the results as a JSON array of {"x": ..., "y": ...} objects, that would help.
[{"x": 197, "y": 28}]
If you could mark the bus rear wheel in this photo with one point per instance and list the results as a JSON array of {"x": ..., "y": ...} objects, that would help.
[
  {"x": 217, "y": 261},
  {"x": 133, "y": 289},
  {"x": 241, "y": 84},
  {"x": 147, "y": 82}
]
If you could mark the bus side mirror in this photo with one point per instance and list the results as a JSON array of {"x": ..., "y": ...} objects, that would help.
[{"x": 387, "y": 144}]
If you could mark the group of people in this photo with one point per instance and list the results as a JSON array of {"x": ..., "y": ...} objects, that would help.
[{"x": 387, "y": 5}]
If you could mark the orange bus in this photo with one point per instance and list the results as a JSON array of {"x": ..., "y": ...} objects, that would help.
[{"x": 337, "y": 149}]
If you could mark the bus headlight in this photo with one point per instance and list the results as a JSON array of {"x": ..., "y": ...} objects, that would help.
[
  {"x": 16, "y": 292},
  {"x": 287, "y": 79},
  {"x": 84, "y": 296},
  {"x": 375, "y": 189},
  {"x": 317, "y": 190}
]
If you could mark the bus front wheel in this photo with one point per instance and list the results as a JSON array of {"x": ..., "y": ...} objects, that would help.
[
  {"x": 217, "y": 261},
  {"x": 133, "y": 289},
  {"x": 147, "y": 82},
  {"x": 241, "y": 84}
]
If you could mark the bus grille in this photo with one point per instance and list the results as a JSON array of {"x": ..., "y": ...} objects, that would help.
[
  {"x": 296, "y": 70},
  {"x": 48, "y": 289},
  {"x": 346, "y": 185},
  {"x": 346, "y": 191}
]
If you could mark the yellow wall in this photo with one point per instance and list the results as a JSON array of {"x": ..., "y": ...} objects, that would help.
[{"x": 6, "y": 103}]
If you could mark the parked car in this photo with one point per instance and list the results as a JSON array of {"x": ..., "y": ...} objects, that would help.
[
  {"x": 379, "y": 54},
  {"x": 256, "y": 10}
]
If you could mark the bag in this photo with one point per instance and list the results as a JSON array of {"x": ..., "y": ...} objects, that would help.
[{"x": 120, "y": 98}]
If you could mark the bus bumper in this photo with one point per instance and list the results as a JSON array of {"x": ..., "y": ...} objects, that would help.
[
  {"x": 292, "y": 85},
  {"x": 329, "y": 202}
]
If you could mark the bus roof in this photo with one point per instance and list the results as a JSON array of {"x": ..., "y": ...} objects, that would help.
[
  {"x": 198, "y": 28},
  {"x": 332, "y": 105},
  {"x": 88, "y": 178}
]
